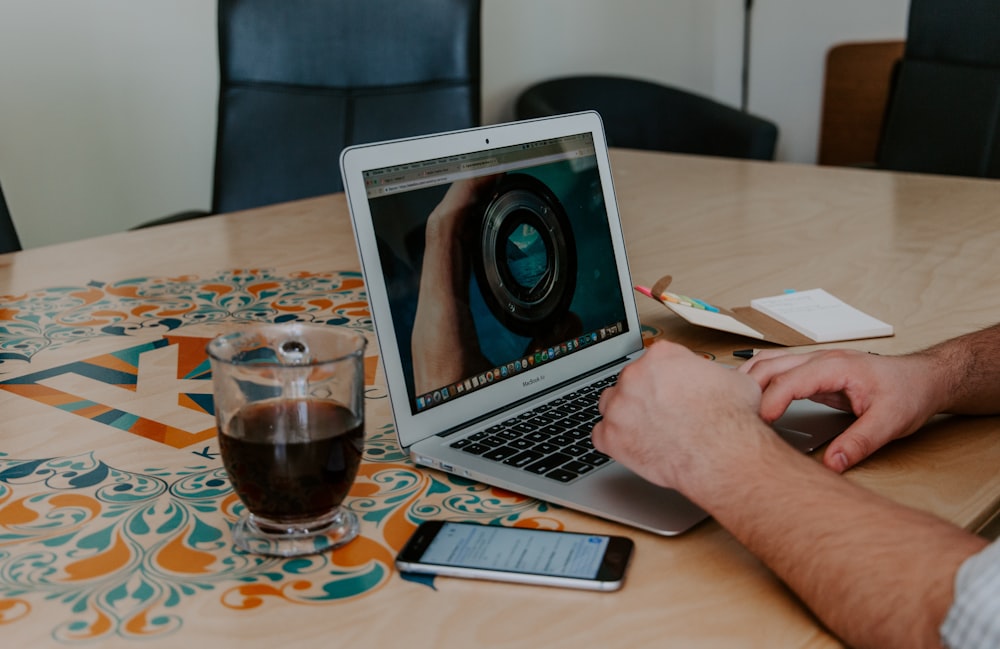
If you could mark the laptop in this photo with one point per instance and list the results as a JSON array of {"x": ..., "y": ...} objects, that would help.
[{"x": 500, "y": 291}]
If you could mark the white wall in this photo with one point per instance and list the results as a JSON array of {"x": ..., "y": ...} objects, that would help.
[
  {"x": 107, "y": 112},
  {"x": 107, "y": 107},
  {"x": 790, "y": 39},
  {"x": 670, "y": 40}
]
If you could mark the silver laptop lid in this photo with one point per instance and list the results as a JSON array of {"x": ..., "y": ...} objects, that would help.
[{"x": 494, "y": 263}]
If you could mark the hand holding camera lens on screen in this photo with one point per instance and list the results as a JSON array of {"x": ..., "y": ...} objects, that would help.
[
  {"x": 444, "y": 342},
  {"x": 512, "y": 232},
  {"x": 527, "y": 269},
  {"x": 496, "y": 263}
]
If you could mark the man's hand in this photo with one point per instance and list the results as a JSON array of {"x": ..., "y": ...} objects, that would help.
[
  {"x": 892, "y": 396},
  {"x": 677, "y": 419}
]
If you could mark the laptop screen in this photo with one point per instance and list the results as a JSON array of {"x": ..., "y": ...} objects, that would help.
[{"x": 495, "y": 262}]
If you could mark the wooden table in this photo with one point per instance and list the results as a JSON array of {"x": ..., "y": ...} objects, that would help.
[{"x": 114, "y": 510}]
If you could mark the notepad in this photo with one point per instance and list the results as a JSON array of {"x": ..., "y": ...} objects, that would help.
[
  {"x": 821, "y": 316},
  {"x": 795, "y": 318}
]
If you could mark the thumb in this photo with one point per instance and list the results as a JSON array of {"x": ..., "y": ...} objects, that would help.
[
  {"x": 844, "y": 452},
  {"x": 866, "y": 435}
]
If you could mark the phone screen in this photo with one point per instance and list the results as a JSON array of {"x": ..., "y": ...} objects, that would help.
[{"x": 517, "y": 550}]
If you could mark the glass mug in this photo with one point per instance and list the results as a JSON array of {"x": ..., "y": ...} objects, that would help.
[{"x": 289, "y": 406}]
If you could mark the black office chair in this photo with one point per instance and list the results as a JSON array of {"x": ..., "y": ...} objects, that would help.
[
  {"x": 9, "y": 241},
  {"x": 641, "y": 114},
  {"x": 944, "y": 111},
  {"x": 303, "y": 79}
]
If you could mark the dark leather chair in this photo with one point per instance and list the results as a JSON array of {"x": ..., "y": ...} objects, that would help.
[
  {"x": 300, "y": 80},
  {"x": 640, "y": 114},
  {"x": 944, "y": 110},
  {"x": 9, "y": 241}
]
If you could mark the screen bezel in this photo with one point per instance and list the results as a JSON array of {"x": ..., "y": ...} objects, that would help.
[{"x": 413, "y": 427}]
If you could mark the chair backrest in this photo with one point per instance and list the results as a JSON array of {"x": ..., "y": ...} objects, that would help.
[
  {"x": 857, "y": 80},
  {"x": 9, "y": 241},
  {"x": 641, "y": 114},
  {"x": 303, "y": 79},
  {"x": 944, "y": 113}
]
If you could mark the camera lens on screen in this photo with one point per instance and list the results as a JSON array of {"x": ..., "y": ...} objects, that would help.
[{"x": 527, "y": 269}]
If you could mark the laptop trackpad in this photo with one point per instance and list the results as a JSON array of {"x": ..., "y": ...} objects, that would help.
[{"x": 807, "y": 425}]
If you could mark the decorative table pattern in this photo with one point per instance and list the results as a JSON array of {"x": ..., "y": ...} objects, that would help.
[{"x": 101, "y": 550}]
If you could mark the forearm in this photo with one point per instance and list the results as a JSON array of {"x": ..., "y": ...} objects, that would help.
[
  {"x": 969, "y": 371},
  {"x": 876, "y": 573}
]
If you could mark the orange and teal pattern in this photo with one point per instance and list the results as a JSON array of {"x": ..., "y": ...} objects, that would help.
[
  {"x": 91, "y": 551},
  {"x": 53, "y": 317},
  {"x": 119, "y": 552},
  {"x": 121, "y": 369}
]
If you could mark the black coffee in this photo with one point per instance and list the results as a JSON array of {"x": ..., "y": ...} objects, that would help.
[{"x": 282, "y": 479}]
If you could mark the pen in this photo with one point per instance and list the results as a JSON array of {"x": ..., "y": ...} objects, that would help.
[{"x": 750, "y": 353}]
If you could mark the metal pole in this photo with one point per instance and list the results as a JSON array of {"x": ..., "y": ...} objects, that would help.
[{"x": 745, "y": 80}]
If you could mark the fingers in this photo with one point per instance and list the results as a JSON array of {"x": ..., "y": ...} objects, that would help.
[
  {"x": 764, "y": 355},
  {"x": 764, "y": 368},
  {"x": 463, "y": 193},
  {"x": 624, "y": 400},
  {"x": 887, "y": 411},
  {"x": 823, "y": 377},
  {"x": 598, "y": 437},
  {"x": 783, "y": 378},
  {"x": 886, "y": 395},
  {"x": 881, "y": 391},
  {"x": 602, "y": 401},
  {"x": 855, "y": 444},
  {"x": 598, "y": 434},
  {"x": 669, "y": 393},
  {"x": 768, "y": 363}
]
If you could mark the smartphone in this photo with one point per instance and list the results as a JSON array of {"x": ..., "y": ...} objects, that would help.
[{"x": 526, "y": 556}]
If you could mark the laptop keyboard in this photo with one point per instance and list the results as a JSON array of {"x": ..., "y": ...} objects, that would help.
[{"x": 552, "y": 440}]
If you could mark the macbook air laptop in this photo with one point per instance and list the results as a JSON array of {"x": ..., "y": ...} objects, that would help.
[{"x": 498, "y": 283}]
